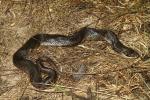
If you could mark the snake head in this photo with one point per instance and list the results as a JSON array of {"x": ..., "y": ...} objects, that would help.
[{"x": 130, "y": 53}]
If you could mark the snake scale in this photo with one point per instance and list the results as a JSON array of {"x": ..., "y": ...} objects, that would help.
[{"x": 35, "y": 70}]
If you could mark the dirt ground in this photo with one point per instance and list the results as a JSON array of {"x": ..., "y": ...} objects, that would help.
[{"x": 108, "y": 75}]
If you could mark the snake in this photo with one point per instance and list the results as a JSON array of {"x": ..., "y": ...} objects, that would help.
[{"x": 35, "y": 70}]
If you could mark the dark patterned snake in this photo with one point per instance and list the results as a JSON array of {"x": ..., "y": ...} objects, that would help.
[{"x": 36, "y": 69}]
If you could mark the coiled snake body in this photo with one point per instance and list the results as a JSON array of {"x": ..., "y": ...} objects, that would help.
[{"x": 35, "y": 70}]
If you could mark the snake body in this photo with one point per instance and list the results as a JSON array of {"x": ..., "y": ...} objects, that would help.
[{"x": 35, "y": 70}]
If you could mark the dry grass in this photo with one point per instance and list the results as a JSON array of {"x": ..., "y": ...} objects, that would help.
[{"x": 108, "y": 76}]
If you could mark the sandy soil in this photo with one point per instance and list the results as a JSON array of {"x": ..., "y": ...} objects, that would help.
[{"x": 116, "y": 78}]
